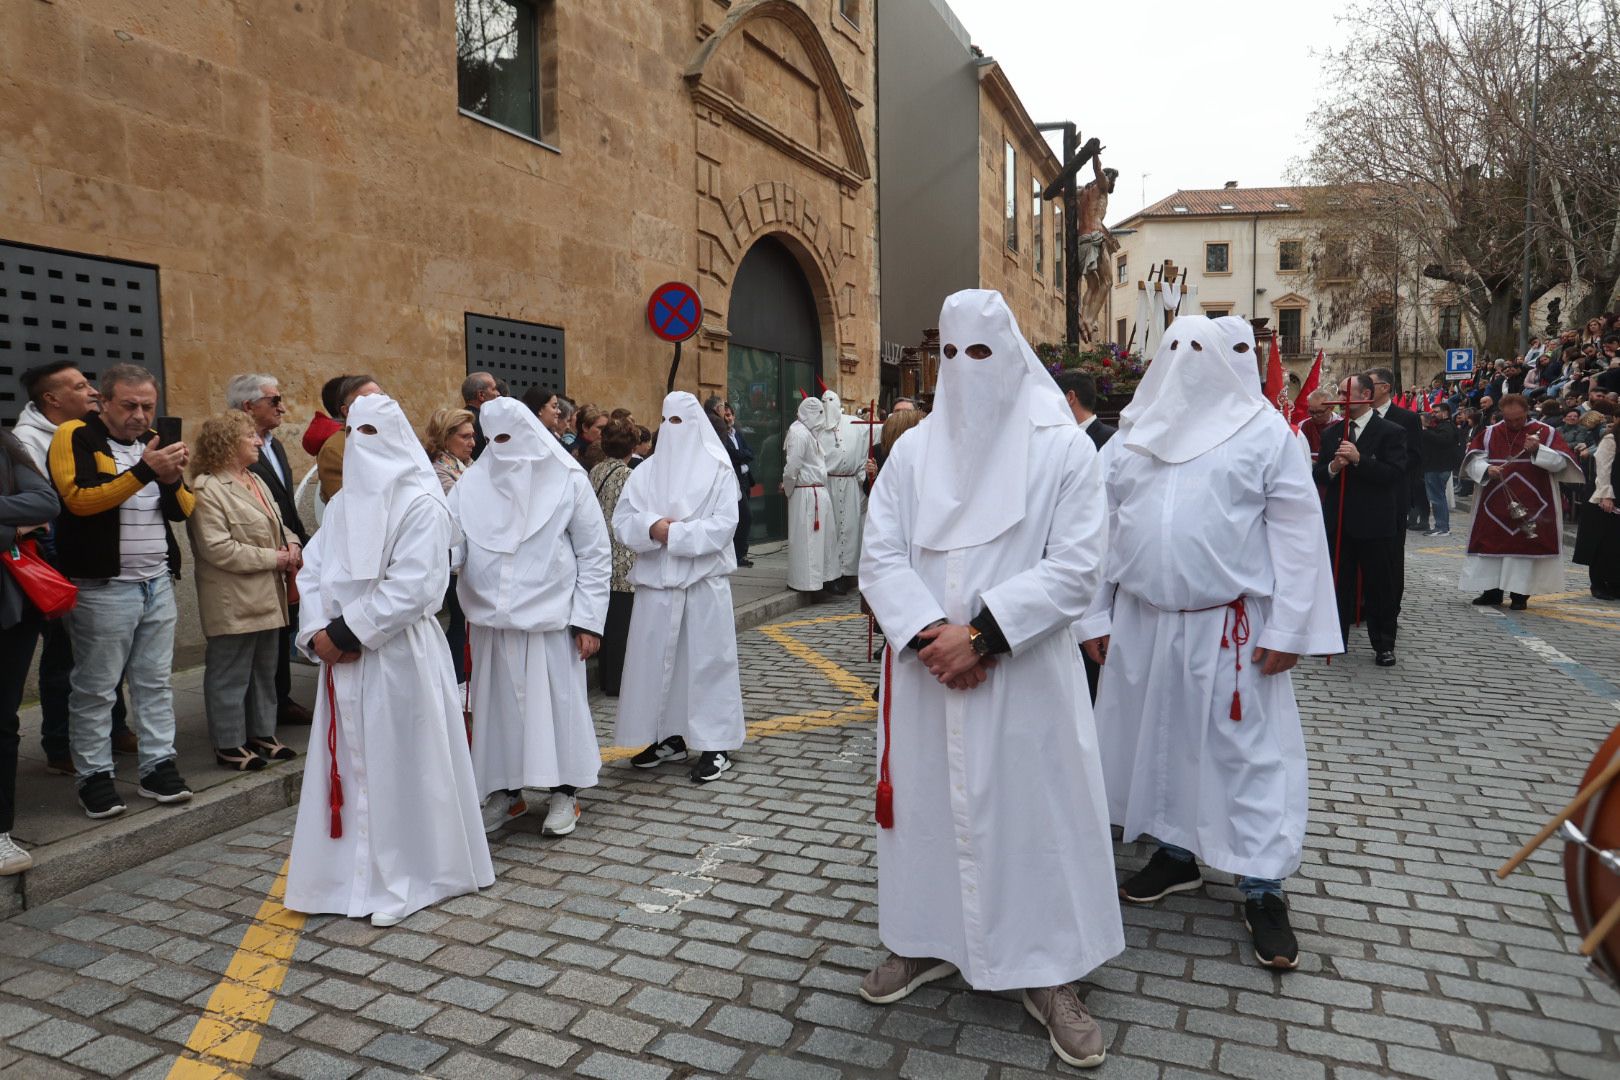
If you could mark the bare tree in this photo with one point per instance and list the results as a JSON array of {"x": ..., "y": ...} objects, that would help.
[{"x": 1425, "y": 148}]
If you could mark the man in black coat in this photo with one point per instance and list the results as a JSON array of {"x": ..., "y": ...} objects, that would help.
[
  {"x": 1365, "y": 471},
  {"x": 260, "y": 397},
  {"x": 1080, "y": 391}
]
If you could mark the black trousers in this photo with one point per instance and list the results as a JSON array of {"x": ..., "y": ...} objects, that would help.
[
  {"x": 55, "y": 683},
  {"x": 457, "y": 632},
  {"x": 1371, "y": 564},
  {"x": 284, "y": 657},
  {"x": 615, "y": 632},
  {"x": 745, "y": 524},
  {"x": 16, "y": 656},
  {"x": 1093, "y": 673}
]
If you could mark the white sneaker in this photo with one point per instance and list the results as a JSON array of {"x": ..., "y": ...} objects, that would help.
[
  {"x": 382, "y": 920},
  {"x": 562, "y": 816},
  {"x": 14, "y": 860},
  {"x": 500, "y": 808}
]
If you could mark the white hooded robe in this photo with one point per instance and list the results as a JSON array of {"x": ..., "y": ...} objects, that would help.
[
  {"x": 412, "y": 834},
  {"x": 846, "y": 467},
  {"x": 1205, "y": 506},
  {"x": 811, "y": 562},
  {"x": 680, "y": 664},
  {"x": 536, "y": 565},
  {"x": 1000, "y": 860}
]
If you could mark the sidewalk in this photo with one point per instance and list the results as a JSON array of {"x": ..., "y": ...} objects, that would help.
[{"x": 71, "y": 851}]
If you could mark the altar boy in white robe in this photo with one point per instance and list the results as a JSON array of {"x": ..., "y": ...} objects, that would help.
[
  {"x": 388, "y": 821},
  {"x": 1217, "y": 581},
  {"x": 534, "y": 587},
  {"x": 984, "y": 540},
  {"x": 678, "y": 512}
]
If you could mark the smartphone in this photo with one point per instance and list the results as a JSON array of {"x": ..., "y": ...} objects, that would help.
[{"x": 168, "y": 430}]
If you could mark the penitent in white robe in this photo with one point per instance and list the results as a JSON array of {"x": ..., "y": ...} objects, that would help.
[
  {"x": 811, "y": 563},
  {"x": 680, "y": 662},
  {"x": 1242, "y": 519},
  {"x": 845, "y": 451},
  {"x": 1000, "y": 860},
  {"x": 531, "y": 709},
  {"x": 1519, "y": 573},
  {"x": 412, "y": 834}
]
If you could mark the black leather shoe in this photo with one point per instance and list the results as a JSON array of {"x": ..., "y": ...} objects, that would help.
[
  {"x": 1520, "y": 602},
  {"x": 1488, "y": 598},
  {"x": 1385, "y": 658}
]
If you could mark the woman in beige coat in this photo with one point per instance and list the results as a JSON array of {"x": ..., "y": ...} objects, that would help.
[{"x": 243, "y": 562}]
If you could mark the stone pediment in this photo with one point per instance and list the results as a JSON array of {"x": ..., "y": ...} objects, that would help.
[{"x": 768, "y": 71}]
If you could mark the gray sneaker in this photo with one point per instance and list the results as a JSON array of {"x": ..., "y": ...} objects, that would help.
[
  {"x": 898, "y": 976},
  {"x": 1075, "y": 1035}
]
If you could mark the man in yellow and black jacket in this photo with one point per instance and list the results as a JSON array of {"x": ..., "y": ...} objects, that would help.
[{"x": 119, "y": 491}]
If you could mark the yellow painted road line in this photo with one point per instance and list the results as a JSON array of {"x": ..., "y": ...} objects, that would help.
[
  {"x": 227, "y": 1035},
  {"x": 1560, "y": 616}
]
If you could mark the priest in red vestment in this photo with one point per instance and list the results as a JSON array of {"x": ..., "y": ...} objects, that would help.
[{"x": 1516, "y": 543}]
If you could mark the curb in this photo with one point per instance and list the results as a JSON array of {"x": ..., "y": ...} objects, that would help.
[{"x": 125, "y": 844}]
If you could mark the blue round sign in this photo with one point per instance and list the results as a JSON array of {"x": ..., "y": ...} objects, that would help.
[{"x": 674, "y": 312}]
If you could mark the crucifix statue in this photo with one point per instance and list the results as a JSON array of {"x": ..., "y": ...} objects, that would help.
[{"x": 1096, "y": 244}]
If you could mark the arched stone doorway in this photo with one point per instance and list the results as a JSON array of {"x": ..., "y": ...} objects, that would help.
[{"x": 774, "y": 354}]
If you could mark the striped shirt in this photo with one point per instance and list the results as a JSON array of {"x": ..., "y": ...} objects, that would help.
[{"x": 143, "y": 543}]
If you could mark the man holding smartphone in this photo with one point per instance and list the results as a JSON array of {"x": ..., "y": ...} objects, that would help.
[{"x": 120, "y": 487}]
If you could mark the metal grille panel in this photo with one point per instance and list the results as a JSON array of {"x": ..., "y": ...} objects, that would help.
[
  {"x": 524, "y": 354},
  {"x": 55, "y": 305}
]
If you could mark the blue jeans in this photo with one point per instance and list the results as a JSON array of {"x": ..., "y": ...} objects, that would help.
[
  {"x": 122, "y": 628},
  {"x": 1252, "y": 888},
  {"x": 1435, "y": 484}
]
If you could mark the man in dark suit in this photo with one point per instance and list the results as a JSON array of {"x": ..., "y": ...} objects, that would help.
[
  {"x": 260, "y": 397},
  {"x": 476, "y": 389},
  {"x": 1362, "y": 467},
  {"x": 1080, "y": 391}
]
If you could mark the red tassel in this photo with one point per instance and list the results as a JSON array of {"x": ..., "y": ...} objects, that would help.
[
  {"x": 816, "y": 495},
  {"x": 885, "y": 790},
  {"x": 1237, "y": 618},
  {"x": 334, "y": 782}
]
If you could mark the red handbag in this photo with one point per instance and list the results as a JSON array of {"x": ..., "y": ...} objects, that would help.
[{"x": 50, "y": 592}]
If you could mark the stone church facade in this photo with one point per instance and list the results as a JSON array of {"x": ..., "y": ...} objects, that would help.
[{"x": 310, "y": 190}]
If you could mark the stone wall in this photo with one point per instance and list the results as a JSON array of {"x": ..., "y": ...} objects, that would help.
[
  {"x": 1035, "y": 298},
  {"x": 299, "y": 173}
]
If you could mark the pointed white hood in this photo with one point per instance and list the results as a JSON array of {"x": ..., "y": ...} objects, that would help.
[
  {"x": 976, "y": 459},
  {"x": 676, "y": 480},
  {"x": 518, "y": 484},
  {"x": 1192, "y": 398},
  {"x": 385, "y": 469}
]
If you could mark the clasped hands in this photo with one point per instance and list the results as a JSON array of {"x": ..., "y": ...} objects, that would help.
[
  {"x": 950, "y": 658},
  {"x": 328, "y": 651}
]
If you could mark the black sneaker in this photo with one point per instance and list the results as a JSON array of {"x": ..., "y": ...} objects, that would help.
[
  {"x": 99, "y": 796},
  {"x": 1274, "y": 944},
  {"x": 1163, "y": 875},
  {"x": 1488, "y": 598},
  {"x": 1385, "y": 658},
  {"x": 660, "y": 752},
  {"x": 164, "y": 784},
  {"x": 710, "y": 765}
]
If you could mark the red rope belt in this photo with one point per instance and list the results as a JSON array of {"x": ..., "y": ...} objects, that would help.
[
  {"x": 814, "y": 487},
  {"x": 885, "y": 790},
  {"x": 334, "y": 782}
]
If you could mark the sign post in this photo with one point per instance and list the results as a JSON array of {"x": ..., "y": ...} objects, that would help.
[
  {"x": 1459, "y": 364},
  {"x": 674, "y": 311}
]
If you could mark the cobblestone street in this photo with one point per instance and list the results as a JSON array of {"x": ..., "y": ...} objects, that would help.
[{"x": 721, "y": 931}]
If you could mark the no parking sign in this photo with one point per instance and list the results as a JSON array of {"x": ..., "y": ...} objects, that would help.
[{"x": 674, "y": 311}]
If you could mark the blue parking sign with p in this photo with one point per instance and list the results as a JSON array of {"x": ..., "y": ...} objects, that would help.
[{"x": 1459, "y": 363}]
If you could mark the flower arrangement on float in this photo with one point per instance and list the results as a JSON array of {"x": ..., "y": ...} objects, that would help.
[{"x": 1116, "y": 371}]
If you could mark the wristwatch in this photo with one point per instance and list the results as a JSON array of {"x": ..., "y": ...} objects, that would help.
[{"x": 980, "y": 643}]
